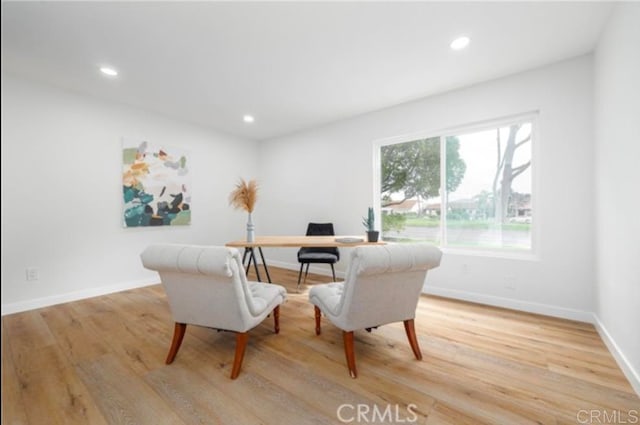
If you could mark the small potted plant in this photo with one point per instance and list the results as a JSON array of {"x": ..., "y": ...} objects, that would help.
[{"x": 369, "y": 224}]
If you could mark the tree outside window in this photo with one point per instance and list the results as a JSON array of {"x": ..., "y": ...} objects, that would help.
[{"x": 487, "y": 176}]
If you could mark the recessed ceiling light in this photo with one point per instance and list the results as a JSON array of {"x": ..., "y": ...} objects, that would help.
[
  {"x": 108, "y": 71},
  {"x": 248, "y": 118},
  {"x": 460, "y": 43}
]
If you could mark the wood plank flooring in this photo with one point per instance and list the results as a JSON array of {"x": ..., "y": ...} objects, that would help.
[{"x": 101, "y": 361}]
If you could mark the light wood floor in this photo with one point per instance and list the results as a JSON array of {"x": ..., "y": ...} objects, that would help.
[{"x": 101, "y": 361}]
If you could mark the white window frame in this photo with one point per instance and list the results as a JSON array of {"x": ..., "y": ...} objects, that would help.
[{"x": 532, "y": 117}]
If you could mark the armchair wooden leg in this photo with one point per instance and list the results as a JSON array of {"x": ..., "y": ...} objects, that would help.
[
  {"x": 318, "y": 315},
  {"x": 178, "y": 334},
  {"x": 410, "y": 329},
  {"x": 276, "y": 319},
  {"x": 348, "y": 350},
  {"x": 241, "y": 344}
]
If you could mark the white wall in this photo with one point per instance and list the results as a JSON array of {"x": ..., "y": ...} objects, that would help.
[
  {"x": 617, "y": 113},
  {"x": 61, "y": 193},
  {"x": 327, "y": 174}
]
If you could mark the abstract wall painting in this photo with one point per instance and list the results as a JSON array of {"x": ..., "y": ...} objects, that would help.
[{"x": 155, "y": 185}]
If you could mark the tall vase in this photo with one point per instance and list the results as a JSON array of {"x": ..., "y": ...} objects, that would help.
[{"x": 251, "y": 237}]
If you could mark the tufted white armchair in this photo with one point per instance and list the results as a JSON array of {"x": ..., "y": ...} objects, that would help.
[
  {"x": 383, "y": 285},
  {"x": 207, "y": 286}
]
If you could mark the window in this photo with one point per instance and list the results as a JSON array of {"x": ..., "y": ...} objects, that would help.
[{"x": 486, "y": 173}]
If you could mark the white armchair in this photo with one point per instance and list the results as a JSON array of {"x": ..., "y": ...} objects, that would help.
[
  {"x": 207, "y": 286},
  {"x": 383, "y": 284}
]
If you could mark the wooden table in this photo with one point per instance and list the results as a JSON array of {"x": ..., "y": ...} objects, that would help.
[{"x": 290, "y": 242}]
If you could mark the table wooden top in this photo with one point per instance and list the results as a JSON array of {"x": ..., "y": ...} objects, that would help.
[{"x": 301, "y": 241}]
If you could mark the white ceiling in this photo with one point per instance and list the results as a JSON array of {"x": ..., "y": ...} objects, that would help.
[{"x": 293, "y": 65}]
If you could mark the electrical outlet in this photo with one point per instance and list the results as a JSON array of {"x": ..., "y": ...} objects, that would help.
[
  {"x": 510, "y": 283},
  {"x": 33, "y": 273}
]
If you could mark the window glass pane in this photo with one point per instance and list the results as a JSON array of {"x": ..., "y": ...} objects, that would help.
[
  {"x": 487, "y": 195},
  {"x": 489, "y": 202},
  {"x": 409, "y": 190}
]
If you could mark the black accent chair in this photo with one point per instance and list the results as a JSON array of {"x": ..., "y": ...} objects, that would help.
[{"x": 329, "y": 255}]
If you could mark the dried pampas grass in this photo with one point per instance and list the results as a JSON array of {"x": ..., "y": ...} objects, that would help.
[{"x": 244, "y": 196}]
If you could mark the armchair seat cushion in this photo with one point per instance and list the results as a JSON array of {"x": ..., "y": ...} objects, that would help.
[
  {"x": 327, "y": 297},
  {"x": 265, "y": 297}
]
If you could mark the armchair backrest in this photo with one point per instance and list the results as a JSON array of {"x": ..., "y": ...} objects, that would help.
[
  {"x": 384, "y": 282},
  {"x": 205, "y": 285}
]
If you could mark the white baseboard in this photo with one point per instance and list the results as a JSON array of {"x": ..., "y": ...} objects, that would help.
[
  {"x": 20, "y": 306},
  {"x": 529, "y": 307},
  {"x": 627, "y": 368},
  {"x": 545, "y": 309}
]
